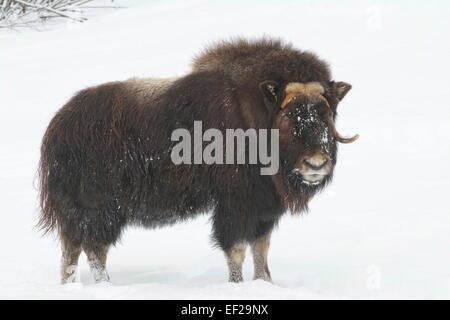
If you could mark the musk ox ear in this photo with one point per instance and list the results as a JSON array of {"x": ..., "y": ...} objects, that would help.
[
  {"x": 340, "y": 89},
  {"x": 271, "y": 92}
]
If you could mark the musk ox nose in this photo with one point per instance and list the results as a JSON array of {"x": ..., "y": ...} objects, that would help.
[
  {"x": 313, "y": 169},
  {"x": 316, "y": 162}
]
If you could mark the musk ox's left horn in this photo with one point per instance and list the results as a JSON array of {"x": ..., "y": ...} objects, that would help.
[{"x": 340, "y": 138}]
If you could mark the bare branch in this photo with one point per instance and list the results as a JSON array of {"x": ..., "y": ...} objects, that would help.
[
  {"x": 47, "y": 9},
  {"x": 26, "y": 13}
]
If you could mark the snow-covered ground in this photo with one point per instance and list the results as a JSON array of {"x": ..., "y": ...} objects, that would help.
[{"x": 381, "y": 230}]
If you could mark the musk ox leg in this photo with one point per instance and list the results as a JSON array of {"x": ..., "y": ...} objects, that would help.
[
  {"x": 235, "y": 258},
  {"x": 97, "y": 263},
  {"x": 69, "y": 262},
  {"x": 260, "y": 248}
]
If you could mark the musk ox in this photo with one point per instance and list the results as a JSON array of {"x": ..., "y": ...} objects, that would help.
[{"x": 106, "y": 155}]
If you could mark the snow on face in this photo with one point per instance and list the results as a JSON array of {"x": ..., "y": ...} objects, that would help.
[{"x": 309, "y": 126}]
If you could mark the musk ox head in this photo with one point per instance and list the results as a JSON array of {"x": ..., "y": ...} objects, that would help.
[{"x": 304, "y": 114}]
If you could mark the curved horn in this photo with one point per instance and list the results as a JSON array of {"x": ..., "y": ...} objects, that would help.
[
  {"x": 339, "y": 137},
  {"x": 333, "y": 127}
]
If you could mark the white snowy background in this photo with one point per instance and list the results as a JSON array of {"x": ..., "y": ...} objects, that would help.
[{"x": 381, "y": 230}]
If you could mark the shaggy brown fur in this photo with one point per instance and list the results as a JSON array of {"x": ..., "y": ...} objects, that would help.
[{"x": 105, "y": 157}]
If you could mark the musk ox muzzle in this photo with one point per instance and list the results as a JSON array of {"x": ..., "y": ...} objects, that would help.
[{"x": 313, "y": 169}]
